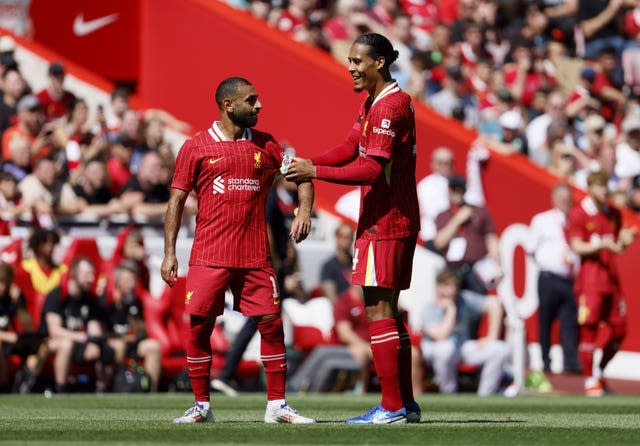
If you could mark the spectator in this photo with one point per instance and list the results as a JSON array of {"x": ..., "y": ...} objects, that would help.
[
  {"x": 13, "y": 88},
  {"x": 513, "y": 140},
  {"x": 451, "y": 336},
  {"x": 467, "y": 238},
  {"x": 146, "y": 193},
  {"x": 9, "y": 202},
  {"x": 125, "y": 323},
  {"x": 628, "y": 150},
  {"x": 19, "y": 162},
  {"x": 29, "y": 126},
  {"x": 295, "y": 18},
  {"x": 73, "y": 324},
  {"x": 599, "y": 28},
  {"x": 16, "y": 337},
  {"x": 118, "y": 105},
  {"x": 89, "y": 194},
  {"x": 581, "y": 100},
  {"x": 55, "y": 99},
  {"x": 38, "y": 194},
  {"x": 352, "y": 353},
  {"x": 129, "y": 246},
  {"x": 563, "y": 161},
  {"x": 433, "y": 191},
  {"x": 121, "y": 152},
  {"x": 44, "y": 272},
  {"x": 152, "y": 140},
  {"x": 607, "y": 88},
  {"x": 452, "y": 100},
  {"x": 548, "y": 246},
  {"x": 536, "y": 131},
  {"x": 335, "y": 275}
]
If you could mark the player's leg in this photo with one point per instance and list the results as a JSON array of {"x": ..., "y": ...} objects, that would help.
[
  {"x": 256, "y": 294},
  {"x": 204, "y": 301},
  {"x": 617, "y": 329},
  {"x": 382, "y": 268},
  {"x": 233, "y": 357},
  {"x": 589, "y": 316}
]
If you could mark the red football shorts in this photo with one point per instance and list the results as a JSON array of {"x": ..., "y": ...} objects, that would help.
[
  {"x": 594, "y": 308},
  {"x": 384, "y": 263},
  {"x": 255, "y": 291}
]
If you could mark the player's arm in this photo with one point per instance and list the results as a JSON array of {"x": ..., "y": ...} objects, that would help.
[
  {"x": 342, "y": 154},
  {"x": 173, "y": 217},
  {"x": 364, "y": 173},
  {"x": 301, "y": 225}
]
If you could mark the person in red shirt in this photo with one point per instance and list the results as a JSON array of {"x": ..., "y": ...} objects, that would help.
[
  {"x": 232, "y": 167},
  {"x": 380, "y": 155},
  {"x": 595, "y": 233},
  {"x": 55, "y": 99}
]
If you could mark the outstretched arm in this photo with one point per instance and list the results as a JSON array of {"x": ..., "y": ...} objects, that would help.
[
  {"x": 169, "y": 268},
  {"x": 366, "y": 172},
  {"x": 342, "y": 154}
]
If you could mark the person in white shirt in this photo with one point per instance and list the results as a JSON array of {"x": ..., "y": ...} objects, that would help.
[
  {"x": 557, "y": 262},
  {"x": 433, "y": 191},
  {"x": 628, "y": 151}
]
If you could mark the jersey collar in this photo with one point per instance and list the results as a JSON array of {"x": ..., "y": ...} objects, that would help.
[
  {"x": 218, "y": 136},
  {"x": 391, "y": 88}
]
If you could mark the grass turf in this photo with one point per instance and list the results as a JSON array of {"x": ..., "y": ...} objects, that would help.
[{"x": 457, "y": 419}]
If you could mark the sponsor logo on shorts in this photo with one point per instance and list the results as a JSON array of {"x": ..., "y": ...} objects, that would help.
[
  {"x": 379, "y": 131},
  {"x": 188, "y": 297}
]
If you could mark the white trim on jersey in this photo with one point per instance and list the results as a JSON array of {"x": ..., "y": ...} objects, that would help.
[
  {"x": 391, "y": 88},
  {"x": 218, "y": 136}
]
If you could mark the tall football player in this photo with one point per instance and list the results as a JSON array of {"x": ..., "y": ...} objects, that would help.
[{"x": 380, "y": 155}]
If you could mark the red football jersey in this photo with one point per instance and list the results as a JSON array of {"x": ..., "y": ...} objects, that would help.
[
  {"x": 598, "y": 273},
  {"x": 389, "y": 208},
  {"x": 232, "y": 180},
  {"x": 54, "y": 108}
]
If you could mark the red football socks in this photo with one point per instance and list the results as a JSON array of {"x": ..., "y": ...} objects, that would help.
[
  {"x": 385, "y": 346},
  {"x": 273, "y": 356},
  {"x": 199, "y": 356}
]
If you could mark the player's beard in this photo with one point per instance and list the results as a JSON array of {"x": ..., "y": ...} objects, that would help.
[{"x": 245, "y": 121}]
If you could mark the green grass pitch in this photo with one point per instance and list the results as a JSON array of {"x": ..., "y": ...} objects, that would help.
[{"x": 85, "y": 419}]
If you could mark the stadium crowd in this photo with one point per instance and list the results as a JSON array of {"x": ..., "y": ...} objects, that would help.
[
  {"x": 555, "y": 81},
  {"x": 509, "y": 69}
]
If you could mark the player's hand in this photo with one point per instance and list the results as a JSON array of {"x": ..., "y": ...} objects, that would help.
[
  {"x": 301, "y": 225},
  {"x": 169, "y": 269},
  {"x": 301, "y": 170},
  {"x": 627, "y": 235}
]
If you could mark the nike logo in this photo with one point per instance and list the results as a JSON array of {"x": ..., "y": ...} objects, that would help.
[
  {"x": 192, "y": 369},
  {"x": 213, "y": 161},
  {"x": 82, "y": 27}
]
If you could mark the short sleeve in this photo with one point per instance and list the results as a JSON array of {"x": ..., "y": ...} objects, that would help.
[
  {"x": 185, "y": 168},
  {"x": 385, "y": 128}
]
